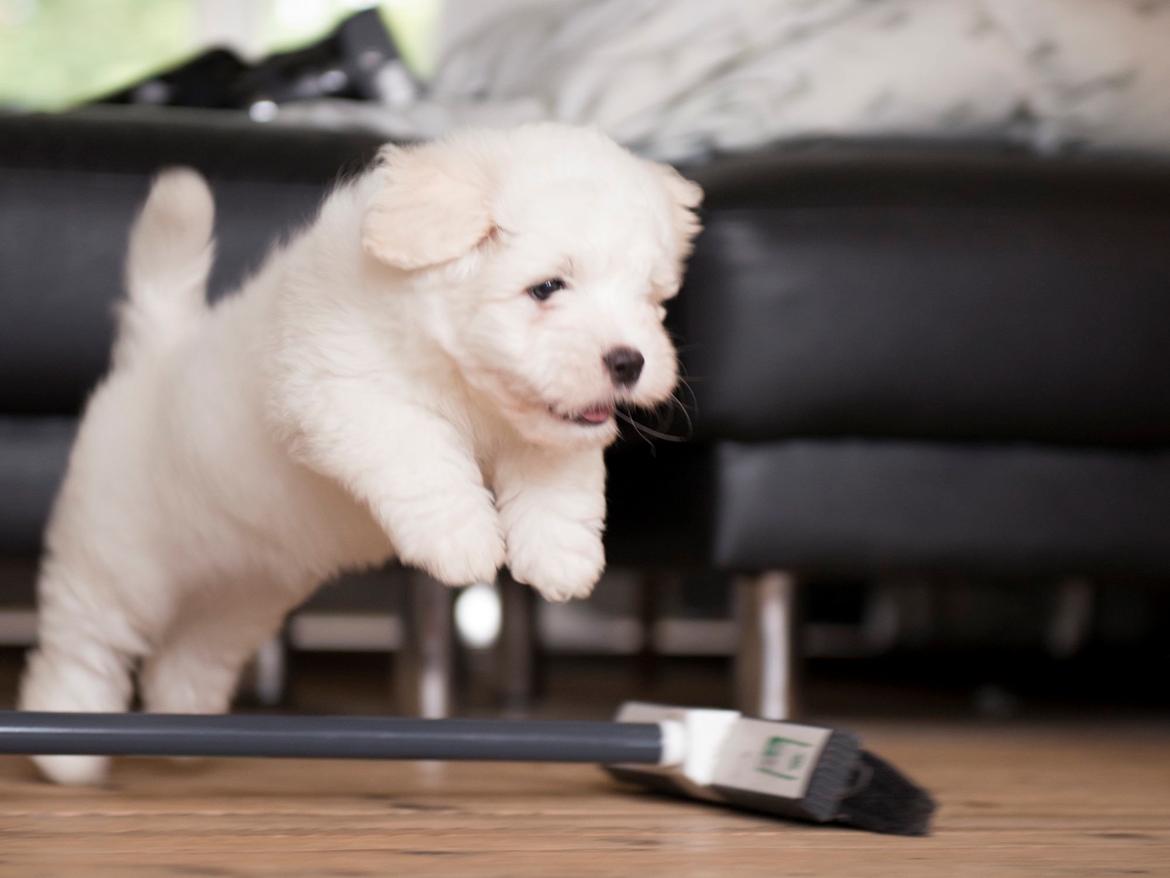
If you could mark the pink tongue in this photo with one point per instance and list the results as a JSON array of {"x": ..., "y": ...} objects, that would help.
[{"x": 596, "y": 415}]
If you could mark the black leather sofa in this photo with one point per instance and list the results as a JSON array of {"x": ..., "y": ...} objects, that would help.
[
  {"x": 931, "y": 359},
  {"x": 903, "y": 357}
]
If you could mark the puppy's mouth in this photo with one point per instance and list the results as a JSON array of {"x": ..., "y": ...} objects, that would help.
[{"x": 595, "y": 415}]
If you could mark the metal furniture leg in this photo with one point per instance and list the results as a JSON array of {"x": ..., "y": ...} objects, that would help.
[
  {"x": 766, "y": 655},
  {"x": 517, "y": 645},
  {"x": 425, "y": 665},
  {"x": 269, "y": 671}
]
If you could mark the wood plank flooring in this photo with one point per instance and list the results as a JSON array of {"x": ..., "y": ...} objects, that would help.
[{"x": 1049, "y": 800}]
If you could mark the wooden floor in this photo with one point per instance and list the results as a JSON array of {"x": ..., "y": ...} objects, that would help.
[{"x": 1057, "y": 800}]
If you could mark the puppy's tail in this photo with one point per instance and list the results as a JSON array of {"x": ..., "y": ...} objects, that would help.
[{"x": 170, "y": 257}]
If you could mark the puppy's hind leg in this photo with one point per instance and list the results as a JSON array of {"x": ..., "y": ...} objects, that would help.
[
  {"x": 198, "y": 663},
  {"x": 78, "y": 665}
]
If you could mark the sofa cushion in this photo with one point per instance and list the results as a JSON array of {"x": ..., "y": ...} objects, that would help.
[
  {"x": 33, "y": 453},
  {"x": 864, "y": 506},
  {"x": 940, "y": 294},
  {"x": 70, "y": 186}
]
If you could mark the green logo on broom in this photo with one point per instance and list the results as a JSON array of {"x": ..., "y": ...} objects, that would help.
[{"x": 783, "y": 758}]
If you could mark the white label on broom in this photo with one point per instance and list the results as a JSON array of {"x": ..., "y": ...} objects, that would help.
[{"x": 772, "y": 758}]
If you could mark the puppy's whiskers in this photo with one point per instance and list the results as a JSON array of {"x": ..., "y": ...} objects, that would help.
[
  {"x": 637, "y": 429},
  {"x": 684, "y": 384},
  {"x": 675, "y": 401},
  {"x": 646, "y": 431}
]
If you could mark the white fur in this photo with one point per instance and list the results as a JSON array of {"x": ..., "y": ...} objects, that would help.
[{"x": 383, "y": 387}]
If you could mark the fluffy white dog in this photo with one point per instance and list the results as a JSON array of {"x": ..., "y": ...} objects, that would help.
[{"x": 429, "y": 372}]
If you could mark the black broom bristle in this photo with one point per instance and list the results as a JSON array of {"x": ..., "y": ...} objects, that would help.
[{"x": 885, "y": 800}]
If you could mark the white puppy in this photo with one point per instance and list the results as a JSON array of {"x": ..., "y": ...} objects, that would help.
[{"x": 428, "y": 372}]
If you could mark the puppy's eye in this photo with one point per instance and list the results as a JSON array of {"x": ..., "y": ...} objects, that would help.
[{"x": 544, "y": 289}]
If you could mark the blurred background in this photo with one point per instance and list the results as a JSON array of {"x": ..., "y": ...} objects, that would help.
[
  {"x": 81, "y": 51},
  {"x": 919, "y": 465}
]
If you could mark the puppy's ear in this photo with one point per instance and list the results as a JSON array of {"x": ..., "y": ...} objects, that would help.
[
  {"x": 687, "y": 196},
  {"x": 423, "y": 214}
]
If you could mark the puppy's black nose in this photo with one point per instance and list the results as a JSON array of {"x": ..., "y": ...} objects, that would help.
[{"x": 624, "y": 365}]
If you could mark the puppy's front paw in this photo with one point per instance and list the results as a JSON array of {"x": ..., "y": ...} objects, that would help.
[
  {"x": 461, "y": 547},
  {"x": 560, "y": 559}
]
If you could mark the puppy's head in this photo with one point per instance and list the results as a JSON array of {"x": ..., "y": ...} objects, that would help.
[{"x": 540, "y": 259}]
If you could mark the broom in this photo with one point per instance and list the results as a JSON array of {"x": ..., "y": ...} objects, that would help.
[{"x": 802, "y": 772}]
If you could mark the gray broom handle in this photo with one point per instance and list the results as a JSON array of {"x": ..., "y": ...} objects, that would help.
[{"x": 327, "y": 737}]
